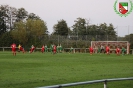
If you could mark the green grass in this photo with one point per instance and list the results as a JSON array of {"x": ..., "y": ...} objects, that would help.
[{"x": 37, "y": 69}]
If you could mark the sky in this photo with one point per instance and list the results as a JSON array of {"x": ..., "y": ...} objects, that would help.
[{"x": 97, "y": 11}]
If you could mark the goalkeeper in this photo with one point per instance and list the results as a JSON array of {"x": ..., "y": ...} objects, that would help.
[{"x": 123, "y": 51}]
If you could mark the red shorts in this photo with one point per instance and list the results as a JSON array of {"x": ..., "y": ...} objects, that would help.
[
  {"x": 42, "y": 49},
  {"x": 91, "y": 50},
  {"x": 54, "y": 50},
  {"x": 117, "y": 51},
  {"x": 107, "y": 50},
  {"x": 32, "y": 49},
  {"x": 14, "y": 49},
  {"x": 21, "y": 49}
]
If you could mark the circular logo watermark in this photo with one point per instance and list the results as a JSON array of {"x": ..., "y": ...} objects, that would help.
[{"x": 123, "y": 8}]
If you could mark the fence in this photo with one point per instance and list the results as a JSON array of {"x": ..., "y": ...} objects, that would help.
[
  {"x": 5, "y": 48},
  {"x": 76, "y": 41},
  {"x": 88, "y": 82},
  {"x": 75, "y": 50}
]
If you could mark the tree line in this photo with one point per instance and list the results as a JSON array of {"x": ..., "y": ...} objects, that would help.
[{"x": 21, "y": 27}]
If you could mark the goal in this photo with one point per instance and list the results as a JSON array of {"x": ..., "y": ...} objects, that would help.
[{"x": 112, "y": 44}]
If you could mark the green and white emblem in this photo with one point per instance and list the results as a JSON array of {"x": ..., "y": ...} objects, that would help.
[{"x": 123, "y": 8}]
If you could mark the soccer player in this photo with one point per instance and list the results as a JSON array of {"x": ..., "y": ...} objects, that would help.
[
  {"x": 13, "y": 46},
  {"x": 99, "y": 50},
  {"x": 54, "y": 49},
  {"x": 102, "y": 49},
  {"x": 58, "y": 49},
  {"x": 71, "y": 50},
  {"x": 32, "y": 49},
  {"x": 43, "y": 48},
  {"x": 51, "y": 48},
  {"x": 117, "y": 51},
  {"x": 91, "y": 50},
  {"x": 21, "y": 49},
  {"x": 107, "y": 50},
  {"x": 46, "y": 48},
  {"x": 123, "y": 51}
]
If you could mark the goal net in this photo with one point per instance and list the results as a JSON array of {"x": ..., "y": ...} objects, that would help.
[{"x": 112, "y": 44}]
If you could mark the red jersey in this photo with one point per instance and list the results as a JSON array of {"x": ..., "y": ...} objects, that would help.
[
  {"x": 33, "y": 47},
  {"x": 117, "y": 50},
  {"x": 107, "y": 49},
  {"x": 13, "y": 45},
  {"x": 91, "y": 49},
  {"x": 43, "y": 47},
  {"x": 54, "y": 48}
]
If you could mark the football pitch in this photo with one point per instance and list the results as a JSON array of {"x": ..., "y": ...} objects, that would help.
[{"x": 45, "y": 69}]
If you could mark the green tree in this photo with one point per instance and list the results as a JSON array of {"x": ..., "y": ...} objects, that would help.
[
  {"x": 79, "y": 28},
  {"x": 19, "y": 32},
  {"x": 36, "y": 27},
  {"x": 130, "y": 39},
  {"x": 2, "y": 26},
  {"x": 21, "y": 15},
  {"x": 102, "y": 32},
  {"x": 61, "y": 28},
  {"x": 33, "y": 16},
  {"x": 30, "y": 31},
  {"x": 3, "y": 16},
  {"x": 6, "y": 40},
  {"x": 8, "y": 16}
]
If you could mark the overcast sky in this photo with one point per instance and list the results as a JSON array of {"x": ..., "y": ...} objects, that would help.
[{"x": 98, "y": 11}]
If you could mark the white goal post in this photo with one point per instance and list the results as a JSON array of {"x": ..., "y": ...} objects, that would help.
[{"x": 112, "y": 44}]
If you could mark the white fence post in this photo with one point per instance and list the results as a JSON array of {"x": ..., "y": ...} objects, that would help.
[
  {"x": 3, "y": 49},
  {"x": 105, "y": 84}
]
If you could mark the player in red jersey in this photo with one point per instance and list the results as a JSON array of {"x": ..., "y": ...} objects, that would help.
[
  {"x": 43, "y": 48},
  {"x": 32, "y": 49},
  {"x": 107, "y": 50},
  {"x": 13, "y": 46},
  {"x": 54, "y": 49},
  {"x": 117, "y": 51},
  {"x": 91, "y": 50},
  {"x": 21, "y": 48}
]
